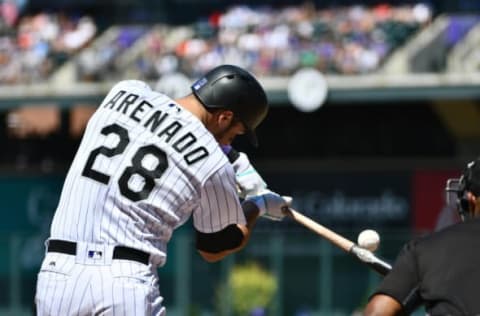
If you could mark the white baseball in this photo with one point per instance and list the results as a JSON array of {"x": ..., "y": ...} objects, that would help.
[{"x": 368, "y": 239}]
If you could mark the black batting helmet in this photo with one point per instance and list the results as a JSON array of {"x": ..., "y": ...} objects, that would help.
[{"x": 235, "y": 89}]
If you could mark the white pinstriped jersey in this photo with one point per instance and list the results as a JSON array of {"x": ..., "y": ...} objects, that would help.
[{"x": 144, "y": 166}]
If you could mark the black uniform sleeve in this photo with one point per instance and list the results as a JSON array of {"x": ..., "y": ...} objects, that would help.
[{"x": 402, "y": 282}]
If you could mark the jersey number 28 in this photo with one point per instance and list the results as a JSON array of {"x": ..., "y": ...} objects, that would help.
[{"x": 136, "y": 168}]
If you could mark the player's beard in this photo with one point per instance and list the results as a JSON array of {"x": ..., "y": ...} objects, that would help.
[{"x": 226, "y": 135}]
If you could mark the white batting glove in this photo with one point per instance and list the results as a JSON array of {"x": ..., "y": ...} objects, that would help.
[
  {"x": 248, "y": 179},
  {"x": 271, "y": 205}
]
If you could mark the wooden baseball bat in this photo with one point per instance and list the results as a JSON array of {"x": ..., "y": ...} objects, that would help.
[
  {"x": 410, "y": 304},
  {"x": 365, "y": 256}
]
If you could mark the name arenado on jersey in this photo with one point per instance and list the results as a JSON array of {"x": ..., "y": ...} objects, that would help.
[{"x": 125, "y": 103}]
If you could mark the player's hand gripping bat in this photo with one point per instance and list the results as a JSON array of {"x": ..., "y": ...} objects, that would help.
[{"x": 364, "y": 255}]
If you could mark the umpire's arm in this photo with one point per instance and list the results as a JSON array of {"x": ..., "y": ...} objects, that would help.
[
  {"x": 398, "y": 293},
  {"x": 383, "y": 305}
]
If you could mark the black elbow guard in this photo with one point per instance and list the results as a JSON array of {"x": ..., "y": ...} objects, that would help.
[{"x": 228, "y": 238}]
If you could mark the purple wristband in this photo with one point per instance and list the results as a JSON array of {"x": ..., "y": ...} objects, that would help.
[
  {"x": 226, "y": 149},
  {"x": 230, "y": 152}
]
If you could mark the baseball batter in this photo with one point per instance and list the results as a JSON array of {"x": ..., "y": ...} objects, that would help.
[{"x": 147, "y": 163}]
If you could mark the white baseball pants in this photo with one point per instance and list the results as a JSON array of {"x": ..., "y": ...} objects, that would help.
[{"x": 81, "y": 285}]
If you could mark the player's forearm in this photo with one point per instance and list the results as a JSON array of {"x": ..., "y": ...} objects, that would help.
[
  {"x": 252, "y": 213},
  {"x": 251, "y": 216},
  {"x": 242, "y": 235}
]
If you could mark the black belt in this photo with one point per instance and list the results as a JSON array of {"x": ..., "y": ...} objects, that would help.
[{"x": 119, "y": 252}]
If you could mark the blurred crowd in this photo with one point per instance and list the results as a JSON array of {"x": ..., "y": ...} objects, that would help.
[
  {"x": 267, "y": 41},
  {"x": 346, "y": 40},
  {"x": 33, "y": 46},
  {"x": 101, "y": 61}
]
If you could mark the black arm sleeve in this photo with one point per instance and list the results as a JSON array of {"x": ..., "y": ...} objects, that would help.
[{"x": 228, "y": 238}]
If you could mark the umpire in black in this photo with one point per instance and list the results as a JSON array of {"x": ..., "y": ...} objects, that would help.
[{"x": 442, "y": 270}]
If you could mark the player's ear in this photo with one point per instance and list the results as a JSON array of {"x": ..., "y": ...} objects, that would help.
[{"x": 224, "y": 118}]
